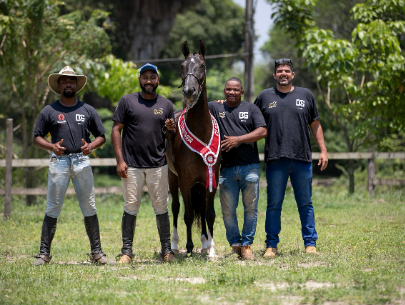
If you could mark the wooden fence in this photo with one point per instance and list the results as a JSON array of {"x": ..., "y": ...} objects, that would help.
[{"x": 9, "y": 163}]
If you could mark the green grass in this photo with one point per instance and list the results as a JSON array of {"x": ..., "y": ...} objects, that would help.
[{"x": 361, "y": 261}]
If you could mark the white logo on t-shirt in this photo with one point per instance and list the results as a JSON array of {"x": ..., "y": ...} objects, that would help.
[
  {"x": 80, "y": 118},
  {"x": 300, "y": 103},
  {"x": 243, "y": 115}
]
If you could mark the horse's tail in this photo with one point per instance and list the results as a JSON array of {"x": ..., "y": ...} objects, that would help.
[{"x": 197, "y": 202}]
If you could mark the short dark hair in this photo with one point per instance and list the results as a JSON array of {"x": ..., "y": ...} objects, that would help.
[
  {"x": 237, "y": 80},
  {"x": 283, "y": 61}
]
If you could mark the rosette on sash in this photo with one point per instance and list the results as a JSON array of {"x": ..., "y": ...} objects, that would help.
[{"x": 209, "y": 153}]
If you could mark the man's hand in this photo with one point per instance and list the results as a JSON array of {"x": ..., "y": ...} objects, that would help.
[
  {"x": 122, "y": 169},
  {"x": 86, "y": 148},
  {"x": 220, "y": 101},
  {"x": 323, "y": 160},
  {"x": 229, "y": 143},
  {"x": 58, "y": 149},
  {"x": 169, "y": 123}
]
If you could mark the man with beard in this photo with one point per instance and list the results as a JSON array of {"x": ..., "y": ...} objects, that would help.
[
  {"x": 140, "y": 117},
  {"x": 290, "y": 112},
  {"x": 70, "y": 123}
]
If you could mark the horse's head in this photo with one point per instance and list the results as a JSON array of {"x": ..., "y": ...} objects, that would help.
[{"x": 193, "y": 72}]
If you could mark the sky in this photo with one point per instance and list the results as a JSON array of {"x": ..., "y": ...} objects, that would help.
[{"x": 262, "y": 23}]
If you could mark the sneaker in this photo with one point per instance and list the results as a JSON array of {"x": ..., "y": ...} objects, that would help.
[
  {"x": 270, "y": 253},
  {"x": 311, "y": 250},
  {"x": 98, "y": 258},
  {"x": 125, "y": 259},
  {"x": 169, "y": 258},
  {"x": 246, "y": 253},
  {"x": 42, "y": 260}
]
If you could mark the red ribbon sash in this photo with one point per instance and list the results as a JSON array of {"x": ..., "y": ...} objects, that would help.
[{"x": 209, "y": 153}]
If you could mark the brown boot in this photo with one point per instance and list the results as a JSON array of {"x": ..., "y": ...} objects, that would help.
[
  {"x": 270, "y": 253},
  {"x": 169, "y": 258},
  {"x": 311, "y": 250},
  {"x": 246, "y": 253},
  {"x": 42, "y": 260},
  {"x": 125, "y": 259},
  {"x": 236, "y": 250}
]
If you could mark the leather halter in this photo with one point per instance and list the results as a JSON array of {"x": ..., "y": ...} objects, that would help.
[{"x": 201, "y": 83}]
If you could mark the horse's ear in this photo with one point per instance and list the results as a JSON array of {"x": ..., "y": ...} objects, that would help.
[
  {"x": 184, "y": 48},
  {"x": 202, "y": 48}
]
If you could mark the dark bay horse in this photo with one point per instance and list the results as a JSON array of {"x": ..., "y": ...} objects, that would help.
[{"x": 187, "y": 168}]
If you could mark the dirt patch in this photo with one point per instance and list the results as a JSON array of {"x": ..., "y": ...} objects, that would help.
[
  {"x": 310, "y": 285},
  {"x": 191, "y": 280},
  {"x": 312, "y": 265},
  {"x": 14, "y": 259}
]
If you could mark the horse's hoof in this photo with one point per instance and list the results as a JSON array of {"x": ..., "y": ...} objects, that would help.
[
  {"x": 176, "y": 251},
  {"x": 205, "y": 251}
]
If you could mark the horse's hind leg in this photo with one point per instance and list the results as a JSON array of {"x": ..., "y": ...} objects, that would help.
[
  {"x": 174, "y": 191},
  {"x": 210, "y": 215},
  {"x": 204, "y": 235}
]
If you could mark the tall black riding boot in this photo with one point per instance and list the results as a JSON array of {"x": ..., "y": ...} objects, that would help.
[
  {"x": 163, "y": 225},
  {"x": 128, "y": 231},
  {"x": 93, "y": 232},
  {"x": 48, "y": 232}
]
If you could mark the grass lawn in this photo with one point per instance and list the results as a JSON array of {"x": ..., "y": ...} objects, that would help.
[{"x": 361, "y": 244}]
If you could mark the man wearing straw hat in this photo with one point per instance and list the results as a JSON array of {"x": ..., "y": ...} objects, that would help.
[{"x": 70, "y": 122}]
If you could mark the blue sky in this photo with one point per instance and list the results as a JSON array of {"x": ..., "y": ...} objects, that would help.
[{"x": 262, "y": 23}]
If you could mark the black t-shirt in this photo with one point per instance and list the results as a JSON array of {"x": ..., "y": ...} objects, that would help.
[
  {"x": 143, "y": 141},
  {"x": 238, "y": 121},
  {"x": 72, "y": 124},
  {"x": 287, "y": 116}
]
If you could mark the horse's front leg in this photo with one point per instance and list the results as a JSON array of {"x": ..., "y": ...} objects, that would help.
[
  {"x": 210, "y": 215},
  {"x": 174, "y": 191},
  {"x": 188, "y": 219}
]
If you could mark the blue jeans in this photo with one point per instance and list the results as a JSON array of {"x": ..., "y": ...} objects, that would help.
[
  {"x": 61, "y": 169},
  {"x": 231, "y": 181},
  {"x": 300, "y": 173}
]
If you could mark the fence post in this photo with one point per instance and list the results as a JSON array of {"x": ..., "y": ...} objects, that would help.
[
  {"x": 371, "y": 175},
  {"x": 9, "y": 168}
]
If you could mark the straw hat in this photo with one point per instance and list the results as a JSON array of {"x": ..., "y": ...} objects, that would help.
[{"x": 67, "y": 71}]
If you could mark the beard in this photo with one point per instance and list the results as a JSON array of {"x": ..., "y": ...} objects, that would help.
[
  {"x": 149, "y": 91},
  {"x": 69, "y": 94},
  {"x": 284, "y": 81}
]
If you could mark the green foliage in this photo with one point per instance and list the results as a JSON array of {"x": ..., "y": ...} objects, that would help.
[
  {"x": 113, "y": 78},
  {"x": 219, "y": 23}
]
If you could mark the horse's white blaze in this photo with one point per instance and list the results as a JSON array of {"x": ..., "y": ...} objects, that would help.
[
  {"x": 175, "y": 239},
  {"x": 211, "y": 245},
  {"x": 204, "y": 242}
]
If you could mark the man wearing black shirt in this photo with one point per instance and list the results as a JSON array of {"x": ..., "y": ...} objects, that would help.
[
  {"x": 70, "y": 123},
  {"x": 241, "y": 124},
  {"x": 140, "y": 117},
  {"x": 289, "y": 113}
]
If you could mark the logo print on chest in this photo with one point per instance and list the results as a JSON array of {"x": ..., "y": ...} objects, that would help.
[
  {"x": 272, "y": 105},
  {"x": 158, "y": 111},
  {"x": 80, "y": 118},
  {"x": 221, "y": 114},
  {"x": 243, "y": 115},
  {"x": 300, "y": 103},
  {"x": 61, "y": 118}
]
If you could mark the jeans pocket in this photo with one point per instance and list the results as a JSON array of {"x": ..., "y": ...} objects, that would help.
[{"x": 255, "y": 166}]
